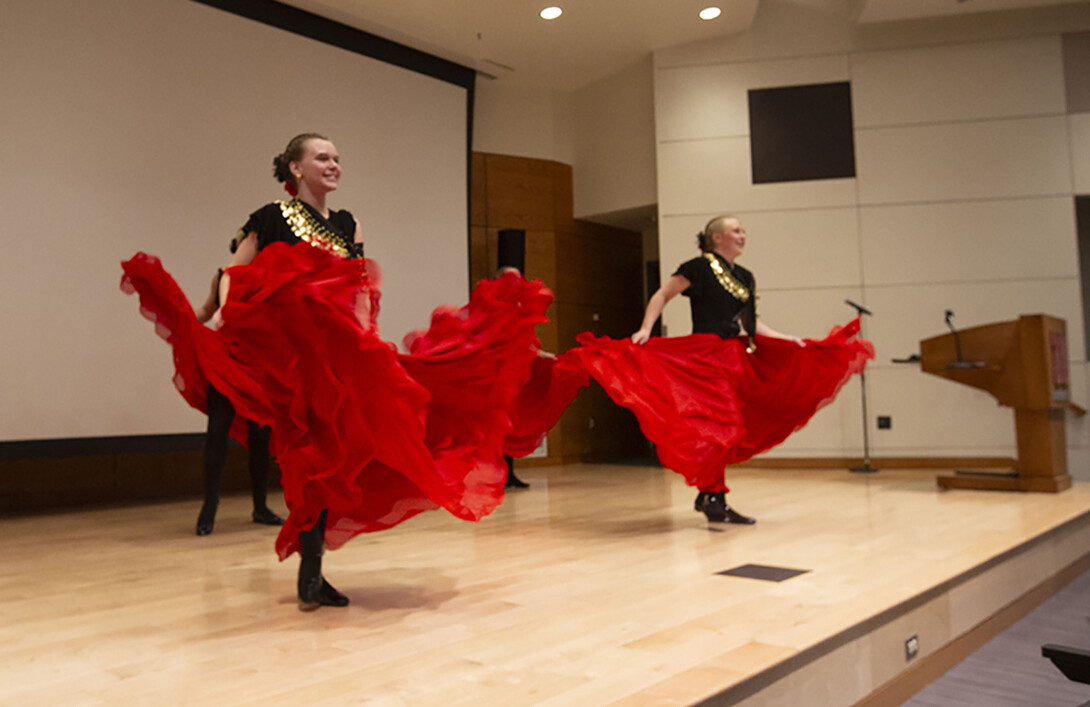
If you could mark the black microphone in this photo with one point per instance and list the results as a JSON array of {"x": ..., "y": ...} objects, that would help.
[
  {"x": 858, "y": 307},
  {"x": 957, "y": 339},
  {"x": 960, "y": 363}
]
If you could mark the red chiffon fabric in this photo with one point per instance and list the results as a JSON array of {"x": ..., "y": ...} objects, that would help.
[
  {"x": 474, "y": 361},
  {"x": 706, "y": 403},
  {"x": 353, "y": 431},
  {"x": 553, "y": 384},
  {"x": 200, "y": 357}
]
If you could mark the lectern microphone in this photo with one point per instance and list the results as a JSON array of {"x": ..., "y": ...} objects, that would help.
[{"x": 960, "y": 362}]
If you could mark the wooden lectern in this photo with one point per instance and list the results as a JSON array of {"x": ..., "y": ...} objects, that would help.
[{"x": 1024, "y": 365}]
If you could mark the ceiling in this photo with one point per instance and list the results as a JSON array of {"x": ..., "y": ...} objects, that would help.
[{"x": 506, "y": 40}]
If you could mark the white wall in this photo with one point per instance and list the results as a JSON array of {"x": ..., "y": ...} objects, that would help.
[
  {"x": 967, "y": 164},
  {"x": 522, "y": 121},
  {"x": 614, "y": 121}
]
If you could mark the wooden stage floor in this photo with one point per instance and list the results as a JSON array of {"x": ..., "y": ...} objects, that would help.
[{"x": 598, "y": 585}]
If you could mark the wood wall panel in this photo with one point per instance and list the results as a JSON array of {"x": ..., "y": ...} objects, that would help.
[
  {"x": 478, "y": 254},
  {"x": 520, "y": 193},
  {"x": 595, "y": 273},
  {"x": 600, "y": 270},
  {"x": 615, "y": 322},
  {"x": 563, "y": 198},
  {"x": 478, "y": 187},
  {"x": 540, "y": 254},
  {"x": 60, "y": 482}
]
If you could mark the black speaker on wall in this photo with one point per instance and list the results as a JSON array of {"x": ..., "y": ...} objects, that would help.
[
  {"x": 512, "y": 249},
  {"x": 801, "y": 132}
]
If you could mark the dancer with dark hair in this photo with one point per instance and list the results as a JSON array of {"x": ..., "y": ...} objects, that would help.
[
  {"x": 365, "y": 438},
  {"x": 733, "y": 388}
]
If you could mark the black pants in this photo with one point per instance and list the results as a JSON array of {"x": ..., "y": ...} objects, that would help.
[{"x": 220, "y": 416}]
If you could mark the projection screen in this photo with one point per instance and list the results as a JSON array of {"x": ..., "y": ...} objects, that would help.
[{"x": 150, "y": 125}]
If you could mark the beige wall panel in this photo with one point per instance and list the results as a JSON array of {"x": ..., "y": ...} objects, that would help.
[
  {"x": 994, "y": 159},
  {"x": 969, "y": 241},
  {"x": 1079, "y": 127},
  {"x": 713, "y": 176},
  {"x": 1078, "y": 463},
  {"x": 804, "y": 248},
  {"x": 615, "y": 142},
  {"x": 1014, "y": 78},
  {"x": 711, "y": 101},
  {"x": 905, "y": 315},
  {"x": 934, "y": 417},
  {"x": 521, "y": 121}
]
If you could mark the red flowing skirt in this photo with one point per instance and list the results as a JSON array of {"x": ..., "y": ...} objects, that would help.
[
  {"x": 553, "y": 384},
  {"x": 354, "y": 432},
  {"x": 706, "y": 403}
]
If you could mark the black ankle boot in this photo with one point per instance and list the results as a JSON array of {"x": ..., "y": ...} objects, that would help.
[
  {"x": 314, "y": 591},
  {"x": 311, "y": 547},
  {"x": 310, "y": 584},
  {"x": 265, "y": 516},
  {"x": 329, "y": 596},
  {"x": 206, "y": 519},
  {"x": 714, "y": 506},
  {"x": 512, "y": 481}
]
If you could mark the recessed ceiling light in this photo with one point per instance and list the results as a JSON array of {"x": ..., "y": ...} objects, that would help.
[
  {"x": 710, "y": 13},
  {"x": 551, "y": 13}
]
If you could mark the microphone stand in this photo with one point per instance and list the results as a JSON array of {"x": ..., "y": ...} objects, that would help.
[{"x": 866, "y": 468}]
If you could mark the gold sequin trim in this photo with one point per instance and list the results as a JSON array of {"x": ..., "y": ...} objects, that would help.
[
  {"x": 737, "y": 290},
  {"x": 306, "y": 228}
]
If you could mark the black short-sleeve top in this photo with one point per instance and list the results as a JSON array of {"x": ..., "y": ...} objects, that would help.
[
  {"x": 294, "y": 221},
  {"x": 720, "y": 298}
]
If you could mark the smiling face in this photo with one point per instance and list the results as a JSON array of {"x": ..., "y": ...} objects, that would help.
[
  {"x": 319, "y": 169},
  {"x": 729, "y": 238}
]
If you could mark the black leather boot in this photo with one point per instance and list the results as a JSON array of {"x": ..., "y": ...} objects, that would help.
[
  {"x": 258, "y": 438},
  {"x": 513, "y": 482},
  {"x": 207, "y": 518},
  {"x": 220, "y": 415},
  {"x": 314, "y": 591},
  {"x": 714, "y": 505}
]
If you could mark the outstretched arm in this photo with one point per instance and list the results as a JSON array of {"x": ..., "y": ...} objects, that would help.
[
  {"x": 246, "y": 252},
  {"x": 673, "y": 287},
  {"x": 206, "y": 310},
  {"x": 765, "y": 330}
]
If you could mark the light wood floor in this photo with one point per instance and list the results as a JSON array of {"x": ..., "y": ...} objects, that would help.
[{"x": 595, "y": 586}]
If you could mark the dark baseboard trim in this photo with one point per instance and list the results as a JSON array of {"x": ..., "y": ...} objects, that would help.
[
  {"x": 879, "y": 463},
  {"x": 99, "y": 446}
]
